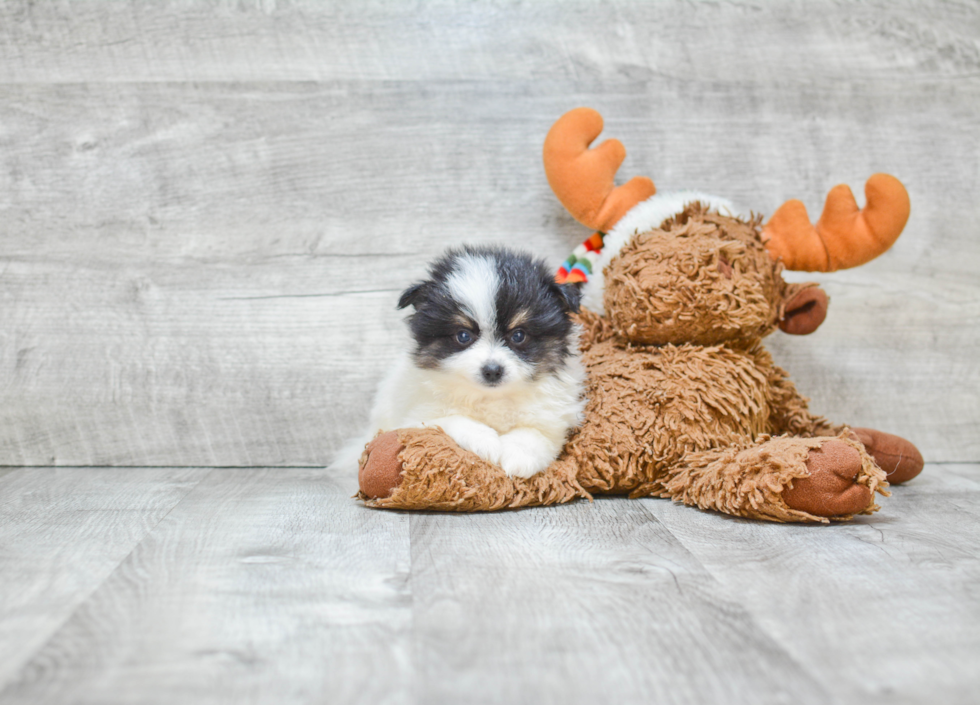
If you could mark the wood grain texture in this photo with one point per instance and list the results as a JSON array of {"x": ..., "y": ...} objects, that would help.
[
  {"x": 581, "y": 604},
  {"x": 270, "y": 585},
  {"x": 623, "y": 41},
  {"x": 62, "y": 533},
  {"x": 184, "y": 364},
  {"x": 260, "y": 586},
  {"x": 871, "y": 606}
]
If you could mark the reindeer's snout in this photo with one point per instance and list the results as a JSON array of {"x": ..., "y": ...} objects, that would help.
[{"x": 804, "y": 311}]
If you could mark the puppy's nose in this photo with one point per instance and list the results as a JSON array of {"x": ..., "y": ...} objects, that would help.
[{"x": 492, "y": 372}]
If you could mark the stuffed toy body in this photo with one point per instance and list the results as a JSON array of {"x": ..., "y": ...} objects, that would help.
[{"x": 683, "y": 400}]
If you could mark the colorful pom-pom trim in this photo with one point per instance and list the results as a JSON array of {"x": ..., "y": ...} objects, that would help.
[{"x": 582, "y": 261}]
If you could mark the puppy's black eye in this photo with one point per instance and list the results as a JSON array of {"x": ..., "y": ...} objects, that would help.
[
  {"x": 518, "y": 337},
  {"x": 464, "y": 337}
]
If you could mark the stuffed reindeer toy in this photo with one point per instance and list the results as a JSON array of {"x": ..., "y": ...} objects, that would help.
[{"x": 683, "y": 400}]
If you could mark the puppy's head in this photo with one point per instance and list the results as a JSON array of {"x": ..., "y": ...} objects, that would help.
[{"x": 492, "y": 317}]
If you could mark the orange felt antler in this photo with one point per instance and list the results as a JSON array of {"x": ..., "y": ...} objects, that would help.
[
  {"x": 582, "y": 178},
  {"x": 844, "y": 236}
]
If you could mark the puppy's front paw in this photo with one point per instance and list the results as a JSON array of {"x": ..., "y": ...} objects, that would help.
[
  {"x": 526, "y": 452},
  {"x": 484, "y": 444},
  {"x": 473, "y": 436}
]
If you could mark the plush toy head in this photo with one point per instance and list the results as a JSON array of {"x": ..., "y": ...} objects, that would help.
[
  {"x": 665, "y": 273},
  {"x": 704, "y": 278}
]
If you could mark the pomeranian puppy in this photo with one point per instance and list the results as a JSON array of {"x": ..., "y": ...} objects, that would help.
[{"x": 495, "y": 361}]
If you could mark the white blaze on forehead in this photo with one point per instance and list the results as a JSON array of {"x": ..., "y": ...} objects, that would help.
[{"x": 474, "y": 284}]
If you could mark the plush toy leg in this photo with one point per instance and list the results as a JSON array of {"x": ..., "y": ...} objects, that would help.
[
  {"x": 778, "y": 479},
  {"x": 900, "y": 460},
  {"x": 423, "y": 468}
]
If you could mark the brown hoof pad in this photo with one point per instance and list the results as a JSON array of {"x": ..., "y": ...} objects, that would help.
[
  {"x": 381, "y": 471},
  {"x": 900, "y": 460},
  {"x": 830, "y": 490}
]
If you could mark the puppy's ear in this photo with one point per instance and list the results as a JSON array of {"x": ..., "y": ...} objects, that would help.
[
  {"x": 570, "y": 295},
  {"x": 414, "y": 295}
]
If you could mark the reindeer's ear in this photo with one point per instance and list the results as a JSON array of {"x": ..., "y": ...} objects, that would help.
[
  {"x": 414, "y": 295},
  {"x": 805, "y": 309},
  {"x": 569, "y": 294}
]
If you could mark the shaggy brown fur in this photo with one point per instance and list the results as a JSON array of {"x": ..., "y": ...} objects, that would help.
[
  {"x": 683, "y": 399},
  {"x": 702, "y": 278}
]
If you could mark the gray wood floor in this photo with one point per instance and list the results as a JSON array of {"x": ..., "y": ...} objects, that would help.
[{"x": 207, "y": 210}]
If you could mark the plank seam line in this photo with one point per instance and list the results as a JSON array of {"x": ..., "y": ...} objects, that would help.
[
  {"x": 307, "y": 296},
  {"x": 174, "y": 467},
  {"x": 335, "y": 255},
  {"x": 284, "y": 467}
]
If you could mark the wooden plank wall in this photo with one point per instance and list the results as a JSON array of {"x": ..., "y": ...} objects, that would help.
[{"x": 208, "y": 208}]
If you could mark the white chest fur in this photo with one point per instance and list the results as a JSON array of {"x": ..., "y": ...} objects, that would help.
[{"x": 410, "y": 396}]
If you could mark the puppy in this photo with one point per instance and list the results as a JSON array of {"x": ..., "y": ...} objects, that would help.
[{"x": 495, "y": 360}]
